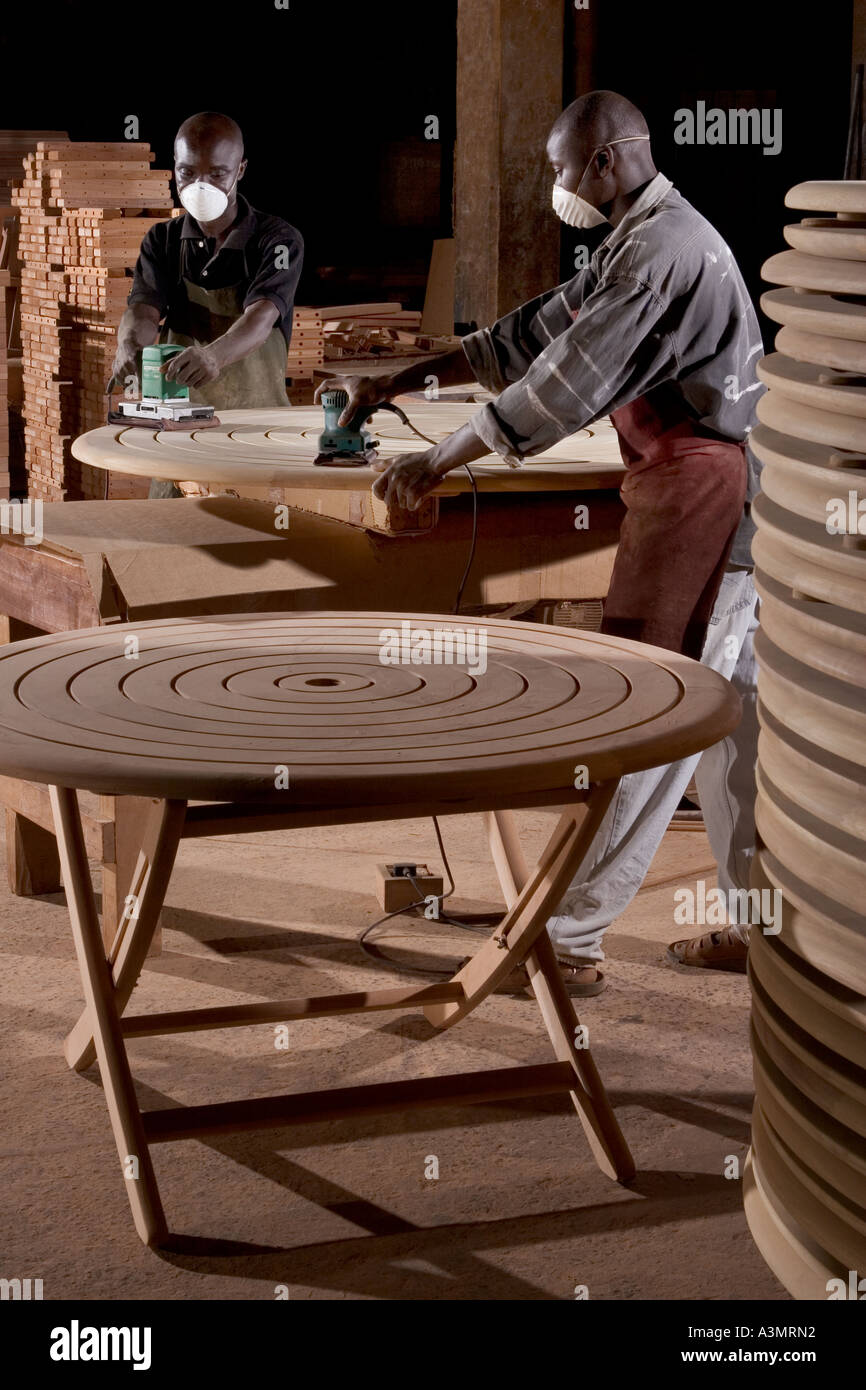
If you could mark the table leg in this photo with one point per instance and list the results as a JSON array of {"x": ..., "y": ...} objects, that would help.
[
  {"x": 507, "y": 852},
  {"x": 99, "y": 995},
  {"x": 128, "y": 815},
  {"x": 138, "y": 919},
  {"x": 591, "y": 1102},
  {"x": 531, "y": 899}
]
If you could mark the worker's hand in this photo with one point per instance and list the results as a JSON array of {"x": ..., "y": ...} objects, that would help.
[
  {"x": 195, "y": 366},
  {"x": 362, "y": 390},
  {"x": 407, "y": 479},
  {"x": 124, "y": 369}
]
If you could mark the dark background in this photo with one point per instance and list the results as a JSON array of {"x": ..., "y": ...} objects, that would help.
[{"x": 332, "y": 100}]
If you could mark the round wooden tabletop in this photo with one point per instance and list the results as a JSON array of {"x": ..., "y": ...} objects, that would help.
[
  {"x": 823, "y": 350},
  {"x": 803, "y": 477},
  {"x": 277, "y": 448},
  {"x": 797, "y": 269},
  {"x": 828, "y": 238},
  {"x": 816, "y": 313},
  {"x": 232, "y": 708},
  {"x": 830, "y": 427},
  {"x": 812, "y": 385},
  {"x": 828, "y": 195}
]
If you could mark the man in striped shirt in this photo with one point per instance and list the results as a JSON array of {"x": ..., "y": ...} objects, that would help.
[{"x": 658, "y": 332}]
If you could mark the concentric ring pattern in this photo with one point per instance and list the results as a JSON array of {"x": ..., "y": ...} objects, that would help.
[
  {"x": 278, "y": 448},
  {"x": 356, "y": 708},
  {"x": 806, "y": 1190}
]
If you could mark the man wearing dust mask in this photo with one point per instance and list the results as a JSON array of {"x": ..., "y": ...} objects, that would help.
[
  {"x": 221, "y": 281},
  {"x": 659, "y": 333}
]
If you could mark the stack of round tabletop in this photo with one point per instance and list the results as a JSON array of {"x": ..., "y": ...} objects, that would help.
[{"x": 806, "y": 1193}]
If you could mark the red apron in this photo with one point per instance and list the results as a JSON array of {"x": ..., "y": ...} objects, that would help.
[{"x": 684, "y": 494}]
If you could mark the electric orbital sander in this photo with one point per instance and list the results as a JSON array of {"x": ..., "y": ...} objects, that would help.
[
  {"x": 164, "y": 404},
  {"x": 345, "y": 446},
  {"x": 352, "y": 446}
]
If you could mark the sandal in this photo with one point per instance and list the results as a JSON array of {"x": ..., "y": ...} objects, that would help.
[
  {"x": 581, "y": 981},
  {"x": 715, "y": 950}
]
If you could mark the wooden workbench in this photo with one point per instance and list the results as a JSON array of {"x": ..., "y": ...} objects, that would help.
[{"x": 546, "y": 531}]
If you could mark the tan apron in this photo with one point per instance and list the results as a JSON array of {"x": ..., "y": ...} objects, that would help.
[{"x": 257, "y": 380}]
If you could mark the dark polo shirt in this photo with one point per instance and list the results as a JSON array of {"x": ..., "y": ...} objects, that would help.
[{"x": 253, "y": 249}]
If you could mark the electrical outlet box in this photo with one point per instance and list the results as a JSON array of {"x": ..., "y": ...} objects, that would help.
[{"x": 395, "y": 890}]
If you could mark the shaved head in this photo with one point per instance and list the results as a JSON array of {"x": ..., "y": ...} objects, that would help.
[
  {"x": 209, "y": 127},
  {"x": 599, "y": 118}
]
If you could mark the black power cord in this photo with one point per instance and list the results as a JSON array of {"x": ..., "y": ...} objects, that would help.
[
  {"x": 474, "y": 540},
  {"x": 466, "y": 921}
]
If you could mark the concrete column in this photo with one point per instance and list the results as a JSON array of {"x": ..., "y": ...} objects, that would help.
[{"x": 509, "y": 92}]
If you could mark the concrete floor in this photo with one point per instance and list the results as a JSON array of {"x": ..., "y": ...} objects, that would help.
[{"x": 344, "y": 1210}]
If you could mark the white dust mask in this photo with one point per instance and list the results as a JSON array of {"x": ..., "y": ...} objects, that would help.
[
  {"x": 204, "y": 202},
  {"x": 575, "y": 211}
]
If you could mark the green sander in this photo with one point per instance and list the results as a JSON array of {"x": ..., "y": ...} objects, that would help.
[{"x": 164, "y": 404}]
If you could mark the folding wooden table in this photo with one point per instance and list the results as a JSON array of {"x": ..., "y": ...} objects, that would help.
[{"x": 285, "y": 721}]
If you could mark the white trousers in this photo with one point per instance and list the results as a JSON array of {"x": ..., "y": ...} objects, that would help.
[{"x": 639, "y": 815}]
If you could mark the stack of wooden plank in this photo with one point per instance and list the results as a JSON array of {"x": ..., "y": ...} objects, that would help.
[
  {"x": 84, "y": 209},
  {"x": 5, "y": 282},
  {"x": 15, "y": 146},
  {"x": 307, "y": 348},
  {"x": 334, "y": 331}
]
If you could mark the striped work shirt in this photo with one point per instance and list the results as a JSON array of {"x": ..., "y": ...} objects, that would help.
[{"x": 662, "y": 304}]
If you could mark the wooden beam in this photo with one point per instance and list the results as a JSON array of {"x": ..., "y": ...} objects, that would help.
[
  {"x": 509, "y": 93},
  {"x": 136, "y": 926},
  {"x": 273, "y": 1112},
  {"x": 32, "y": 801},
  {"x": 126, "y": 1120},
  {"x": 288, "y": 1010},
  {"x": 48, "y": 593},
  {"x": 234, "y": 818},
  {"x": 32, "y": 863}
]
